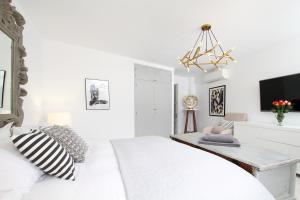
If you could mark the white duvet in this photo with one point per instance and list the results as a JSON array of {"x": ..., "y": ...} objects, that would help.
[
  {"x": 97, "y": 178},
  {"x": 100, "y": 178}
]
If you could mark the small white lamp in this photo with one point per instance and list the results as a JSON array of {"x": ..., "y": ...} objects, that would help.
[{"x": 60, "y": 118}]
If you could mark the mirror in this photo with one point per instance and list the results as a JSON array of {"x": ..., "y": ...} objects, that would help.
[
  {"x": 5, "y": 74},
  {"x": 13, "y": 72},
  {"x": 2, "y": 82}
]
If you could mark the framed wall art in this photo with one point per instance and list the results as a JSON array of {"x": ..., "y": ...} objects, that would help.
[
  {"x": 217, "y": 102},
  {"x": 97, "y": 94}
]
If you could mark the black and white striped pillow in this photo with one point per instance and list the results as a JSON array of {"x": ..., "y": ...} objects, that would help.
[{"x": 45, "y": 153}]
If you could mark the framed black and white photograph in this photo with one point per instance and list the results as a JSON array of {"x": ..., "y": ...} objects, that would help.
[
  {"x": 2, "y": 84},
  {"x": 97, "y": 94},
  {"x": 217, "y": 97}
]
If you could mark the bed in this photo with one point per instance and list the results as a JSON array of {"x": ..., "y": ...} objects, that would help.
[{"x": 151, "y": 168}]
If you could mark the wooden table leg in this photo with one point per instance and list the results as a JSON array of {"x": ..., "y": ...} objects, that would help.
[
  {"x": 194, "y": 120},
  {"x": 186, "y": 122}
]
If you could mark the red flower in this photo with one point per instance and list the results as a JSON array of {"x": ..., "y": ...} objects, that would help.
[
  {"x": 281, "y": 102},
  {"x": 281, "y": 106}
]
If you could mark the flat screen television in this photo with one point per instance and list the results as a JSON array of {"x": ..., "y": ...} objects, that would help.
[{"x": 280, "y": 88}]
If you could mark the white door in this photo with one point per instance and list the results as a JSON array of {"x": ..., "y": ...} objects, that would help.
[
  {"x": 153, "y": 101},
  {"x": 163, "y": 109},
  {"x": 144, "y": 105}
]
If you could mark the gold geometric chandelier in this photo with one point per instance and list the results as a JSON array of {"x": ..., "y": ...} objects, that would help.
[{"x": 207, "y": 53}]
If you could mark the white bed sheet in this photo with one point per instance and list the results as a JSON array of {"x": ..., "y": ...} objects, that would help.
[
  {"x": 97, "y": 178},
  {"x": 100, "y": 178}
]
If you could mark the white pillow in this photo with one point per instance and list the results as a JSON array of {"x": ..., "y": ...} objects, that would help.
[
  {"x": 227, "y": 124},
  {"x": 5, "y": 133},
  {"x": 23, "y": 129},
  {"x": 19, "y": 174}
]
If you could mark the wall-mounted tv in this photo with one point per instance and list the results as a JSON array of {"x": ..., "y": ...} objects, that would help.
[{"x": 285, "y": 88}]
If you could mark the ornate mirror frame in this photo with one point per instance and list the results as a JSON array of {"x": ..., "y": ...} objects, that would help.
[{"x": 12, "y": 24}]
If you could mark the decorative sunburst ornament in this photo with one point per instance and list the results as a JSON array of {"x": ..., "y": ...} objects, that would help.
[
  {"x": 190, "y": 102},
  {"x": 207, "y": 53}
]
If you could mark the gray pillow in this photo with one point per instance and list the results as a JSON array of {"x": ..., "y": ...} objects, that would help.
[
  {"x": 223, "y": 138},
  {"x": 72, "y": 142}
]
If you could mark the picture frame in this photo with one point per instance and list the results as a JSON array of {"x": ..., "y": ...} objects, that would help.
[
  {"x": 217, "y": 101},
  {"x": 97, "y": 94},
  {"x": 2, "y": 86}
]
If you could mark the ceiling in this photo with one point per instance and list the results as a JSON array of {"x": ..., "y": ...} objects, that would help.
[{"x": 161, "y": 30}]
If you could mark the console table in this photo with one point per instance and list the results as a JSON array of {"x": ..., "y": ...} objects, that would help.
[
  {"x": 284, "y": 139},
  {"x": 275, "y": 170}
]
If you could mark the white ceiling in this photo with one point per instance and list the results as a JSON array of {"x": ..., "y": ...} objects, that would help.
[{"x": 161, "y": 30}]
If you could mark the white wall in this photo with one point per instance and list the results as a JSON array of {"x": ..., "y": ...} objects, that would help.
[
  {"x": 57, "y": 72},
  {"x": 186, "y": 86},
  {"x": 33, "y": 42},
  {"x": 243, "y": 85},
  {"x": 65, "y": 68}
]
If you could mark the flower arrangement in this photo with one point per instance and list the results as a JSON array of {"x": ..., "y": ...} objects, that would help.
[{"x": 280, "y": 108}]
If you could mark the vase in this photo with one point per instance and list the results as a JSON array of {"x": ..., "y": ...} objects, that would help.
[{"x": 280, "y": 117}]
